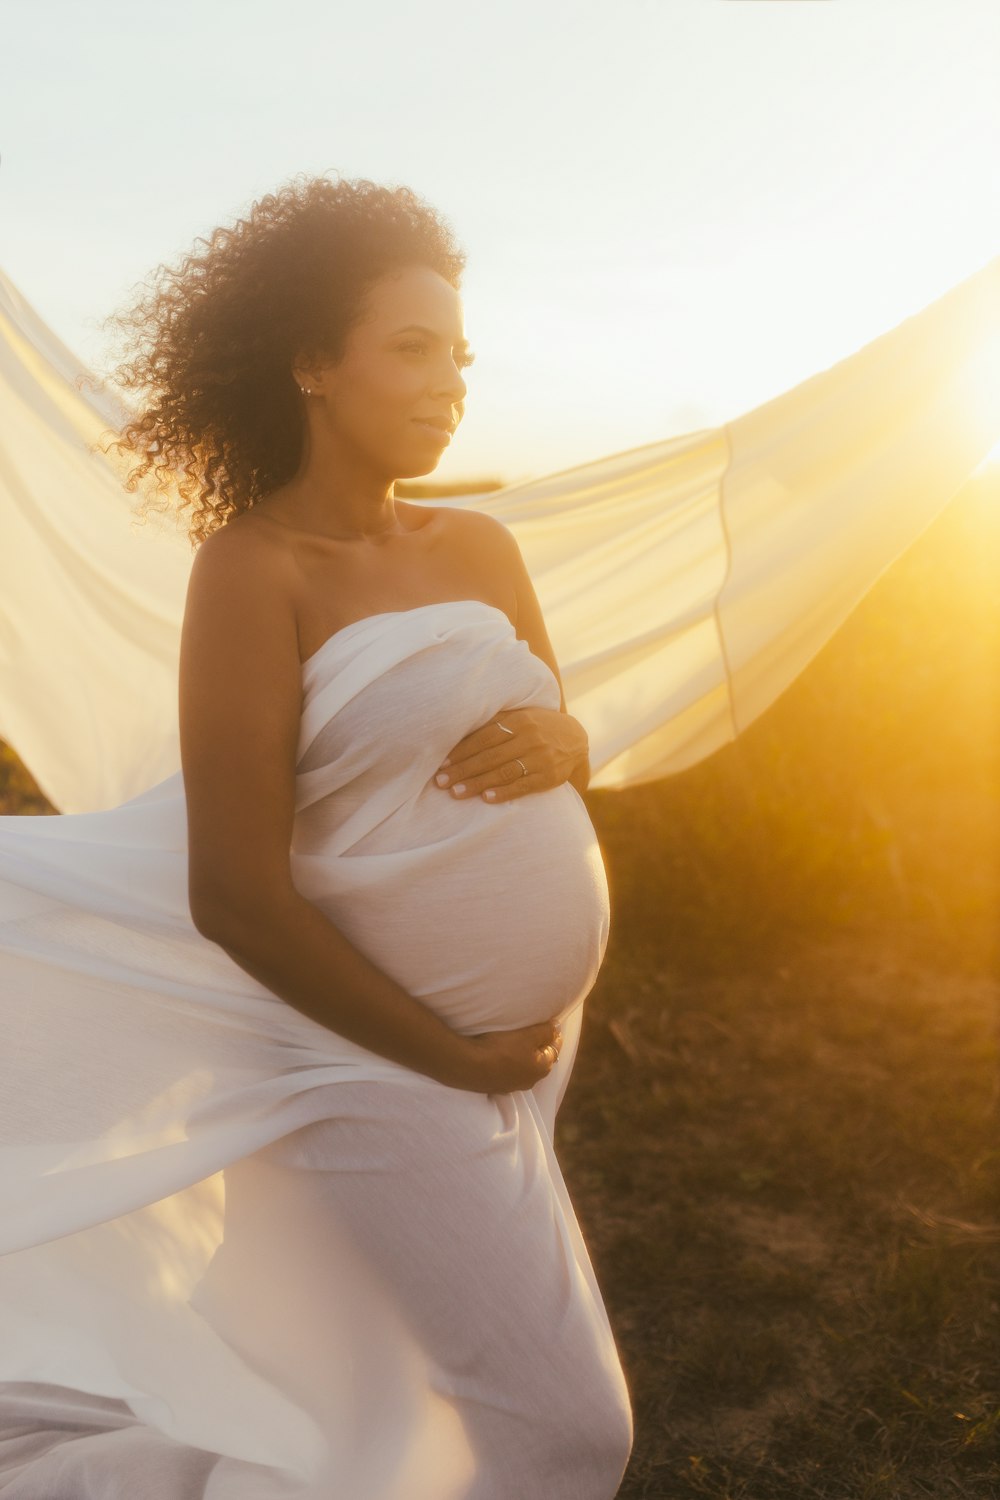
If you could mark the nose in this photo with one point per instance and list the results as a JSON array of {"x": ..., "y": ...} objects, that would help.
[{"x": 452, "y": 386}]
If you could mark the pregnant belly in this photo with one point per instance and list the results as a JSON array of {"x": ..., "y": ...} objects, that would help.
[{"x": 494, "y": 917}]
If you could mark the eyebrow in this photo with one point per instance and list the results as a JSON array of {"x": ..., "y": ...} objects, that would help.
[{"x": 419, "y": 328}]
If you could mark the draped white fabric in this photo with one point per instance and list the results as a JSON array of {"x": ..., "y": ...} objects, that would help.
[
  {"x": 685, "y": 584},
  {"x": 401, "y": 1307},
  {"x": 242, "y": 1258}
]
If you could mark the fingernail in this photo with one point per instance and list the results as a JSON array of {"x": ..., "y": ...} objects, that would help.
[
  {"x": 442, "y": 778},
  {"x": 458, "y": 790},
  {"x": 490, "y": 794},
  {"x": 446, "y": 762}
]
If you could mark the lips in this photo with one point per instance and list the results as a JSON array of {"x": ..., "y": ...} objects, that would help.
[
  {"x": 437, "y": 430},
  {"x": 444, "y": 423}
]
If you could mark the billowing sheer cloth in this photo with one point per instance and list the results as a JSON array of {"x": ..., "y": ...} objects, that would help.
[
  {"x": 240, "y": 1257},
  {"x": 291, "y": 1266},
  {"x": 684, "y": 584}
]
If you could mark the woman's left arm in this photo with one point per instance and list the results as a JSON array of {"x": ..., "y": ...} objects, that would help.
[{"x": 548, "y": 743}]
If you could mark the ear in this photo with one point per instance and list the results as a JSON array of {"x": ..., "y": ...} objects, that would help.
[{"x": 308, "y": 376}]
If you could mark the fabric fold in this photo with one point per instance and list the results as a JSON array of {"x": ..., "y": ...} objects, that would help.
[
  {"x": 143, "y": 1069},
  {"x": 685, "y": 584}
]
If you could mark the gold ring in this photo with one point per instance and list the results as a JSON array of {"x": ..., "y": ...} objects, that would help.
[{"x": 524, "y": 769}]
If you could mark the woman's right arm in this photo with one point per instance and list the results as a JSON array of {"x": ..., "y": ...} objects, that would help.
[{"x": 240, "y": 703}]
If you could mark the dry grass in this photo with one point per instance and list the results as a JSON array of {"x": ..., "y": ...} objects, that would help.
[
  {"x": 788, "y": 1181},
  {"x": 781, "y": 1134}
]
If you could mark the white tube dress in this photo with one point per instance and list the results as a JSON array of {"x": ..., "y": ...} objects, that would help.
[{"x": 243, "y": 1258}]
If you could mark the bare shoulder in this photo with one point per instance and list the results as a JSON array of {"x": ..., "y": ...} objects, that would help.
[
  {"x": 484, "y": 546},
  {"x": 239, "y": 634},
  {"x": 478, "y": 528},
  {"x": 241, "y": 574},
  {"x": 240, "y": 700},
  {"x": 499, "y": 559},
  {"x": 243, "y": 541}
]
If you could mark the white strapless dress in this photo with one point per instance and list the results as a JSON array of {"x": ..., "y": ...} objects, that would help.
[{"x": 242, "y": 1258}]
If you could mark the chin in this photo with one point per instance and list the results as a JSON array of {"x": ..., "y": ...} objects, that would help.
[{"x": 415, "y": 467}]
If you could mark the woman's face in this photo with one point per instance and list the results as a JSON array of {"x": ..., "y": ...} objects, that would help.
[{"x": 402, "y": 363}]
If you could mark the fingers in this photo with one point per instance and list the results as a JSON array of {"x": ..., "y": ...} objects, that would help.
[
  {"x": 502, "y": 729},
  {"x": 504, "y": 781},
  {"x": 471, "y": 762},
  {"x": 546, "y": 1031},
  {"x": 472, "y": 744},
  {"x": 542, "y": 1032},
  {"x": 549, "y": 1048},
  {"x": 521, "y": 787}
]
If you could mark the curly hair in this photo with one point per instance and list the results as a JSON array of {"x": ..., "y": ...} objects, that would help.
[{"x": 210, "y": 345}]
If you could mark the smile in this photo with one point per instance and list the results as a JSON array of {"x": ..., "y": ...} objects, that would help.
[{"x": 436, "y": 432}]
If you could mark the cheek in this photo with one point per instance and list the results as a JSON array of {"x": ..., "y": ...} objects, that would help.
[
  {"x": 372, "y": 406},
  {"x": 393, "y": 393}
]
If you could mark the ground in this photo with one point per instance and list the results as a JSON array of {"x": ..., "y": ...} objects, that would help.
[
  {"x": 788, "y": 1182},
  {"x": 781, "y": 1135}
]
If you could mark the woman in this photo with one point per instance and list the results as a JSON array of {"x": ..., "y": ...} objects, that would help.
[{"x": 384, "y": 833}]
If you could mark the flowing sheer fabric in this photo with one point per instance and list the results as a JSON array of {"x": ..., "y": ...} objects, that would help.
[
  {"x": 684, "y": 584},
  {"x": 241, "y": 1258},
  {"x": 245, "y": 1257}
]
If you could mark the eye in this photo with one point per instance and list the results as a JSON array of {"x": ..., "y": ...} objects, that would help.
[{"x": 463, "y": 360}]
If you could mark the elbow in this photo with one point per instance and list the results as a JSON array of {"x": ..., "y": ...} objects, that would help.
[
  {"x": 211, "y": 902},
  {"x": 212, "y": 921},
  {"x": 231, "y": 915},
  {"x": 206, "y": 921}
]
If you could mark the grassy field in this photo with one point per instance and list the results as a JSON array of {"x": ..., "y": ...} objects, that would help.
[{"x": 781, "y": 1134}]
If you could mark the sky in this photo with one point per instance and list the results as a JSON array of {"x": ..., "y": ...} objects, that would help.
[{"x": 673, "y": 210}]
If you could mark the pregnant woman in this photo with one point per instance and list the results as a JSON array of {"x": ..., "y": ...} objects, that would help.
[{"x": 285, "y": 1036}]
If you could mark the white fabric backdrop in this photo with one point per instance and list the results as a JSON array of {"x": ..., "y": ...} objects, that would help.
[{"x": 685, "y": 584}]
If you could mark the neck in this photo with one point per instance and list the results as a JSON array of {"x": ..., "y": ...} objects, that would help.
[{"x": 342, "y": 506}]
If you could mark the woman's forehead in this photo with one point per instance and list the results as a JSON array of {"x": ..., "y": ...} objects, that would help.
[{"x": 416, "y": 295}]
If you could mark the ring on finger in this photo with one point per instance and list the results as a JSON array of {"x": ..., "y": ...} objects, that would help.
[{"x": 524, "y": 769}]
